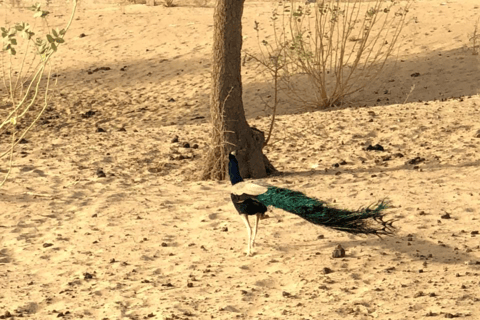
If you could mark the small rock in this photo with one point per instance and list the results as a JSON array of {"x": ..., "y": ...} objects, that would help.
[
  {"x": 88, "y": 276},
  {"x": 327, "y": 270},
  {"x": 101, "y": 174},
  {"x": 445, "y": 216},
  {"x": 415, "y": 160},
  {"x": 174, "y": 140},
  {"x": 88, "y": 114},
  {"x": 376, "y": 147},
  {"x": 339, "y": 252}
]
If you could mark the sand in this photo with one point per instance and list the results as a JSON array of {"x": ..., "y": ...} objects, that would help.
[{"x": 148, "y": 240}]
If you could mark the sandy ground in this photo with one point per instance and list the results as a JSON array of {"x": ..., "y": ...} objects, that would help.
[{"x": 147, "y": 240}]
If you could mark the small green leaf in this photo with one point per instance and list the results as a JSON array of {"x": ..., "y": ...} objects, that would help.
[
  {"x": 50, "y": 38},
  {"x": 59, "y": 40},
  {"x": 13, "y": 41},
  {"x": 62, "y": 32},
  {"x": 27, "y": 34},
  {"x": 54, "y": 32},
  {"x": 54, "y": 46},
  {"x": 37, "y": 14},
  {"x": 13, "y": 51}
]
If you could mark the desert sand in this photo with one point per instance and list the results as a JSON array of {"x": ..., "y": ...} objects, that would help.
[{"x": 148, "y": 240}]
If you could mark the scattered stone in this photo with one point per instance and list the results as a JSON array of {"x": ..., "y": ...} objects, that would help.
[
  {"x": 101, "y": 174},
  {"x": 339, "y": 252},
  {"x": 98, "y": 69},
  {"x": 82, "y": 35},
  {"x": 327, "y": 270},
  {"x": 414, "y": 75},
  {"x": 46, "y": 245},
  {"x": 186, "y": 145},
  {"x": 445, "y": 216},
  {"x": 376, "y": 147},
  {"x": 415, "y": 160},
  {"x": 88, "y": 114},
  {"x": 87, "y": 276},
  {"x": 174, "y": 140},
  {"x": 100, "y": 129}
]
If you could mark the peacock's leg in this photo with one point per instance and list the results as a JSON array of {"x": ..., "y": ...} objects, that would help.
[
  {"x": 249, "y": 231},
  {"x": 257, "y": 218}
]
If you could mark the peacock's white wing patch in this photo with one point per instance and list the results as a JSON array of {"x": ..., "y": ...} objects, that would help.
[{"x": 245, "y": 187}]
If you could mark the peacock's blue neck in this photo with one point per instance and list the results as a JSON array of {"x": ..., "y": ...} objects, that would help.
[{"x": 234, "y": 170}]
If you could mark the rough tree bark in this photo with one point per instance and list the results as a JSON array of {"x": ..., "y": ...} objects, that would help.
[{"x": 230, "y": 128}]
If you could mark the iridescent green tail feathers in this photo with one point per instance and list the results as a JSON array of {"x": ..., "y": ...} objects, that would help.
[{"x": 368, "y": 220}]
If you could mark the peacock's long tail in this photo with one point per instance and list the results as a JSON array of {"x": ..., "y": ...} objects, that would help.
[{"x": 368, "y": 220}]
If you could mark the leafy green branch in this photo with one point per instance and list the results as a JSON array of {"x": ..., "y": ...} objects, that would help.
[{"x": 21, "y": 100}]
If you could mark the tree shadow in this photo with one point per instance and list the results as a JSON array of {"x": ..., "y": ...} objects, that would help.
[{"x": 436, "y": 75}]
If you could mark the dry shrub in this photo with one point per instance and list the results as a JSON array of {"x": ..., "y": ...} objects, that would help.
[
  {"x": 475, "y": 38},
  {"x": 330, "y": 49}
]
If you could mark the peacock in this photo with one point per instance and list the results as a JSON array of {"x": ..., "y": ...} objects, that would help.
[{"x": 251, "y": 199}]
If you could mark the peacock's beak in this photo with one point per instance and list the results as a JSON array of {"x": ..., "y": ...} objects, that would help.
[{"x": 234, "y": 153}]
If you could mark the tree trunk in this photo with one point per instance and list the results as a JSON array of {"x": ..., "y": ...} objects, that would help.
[{"x": 230, "y": 128}]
